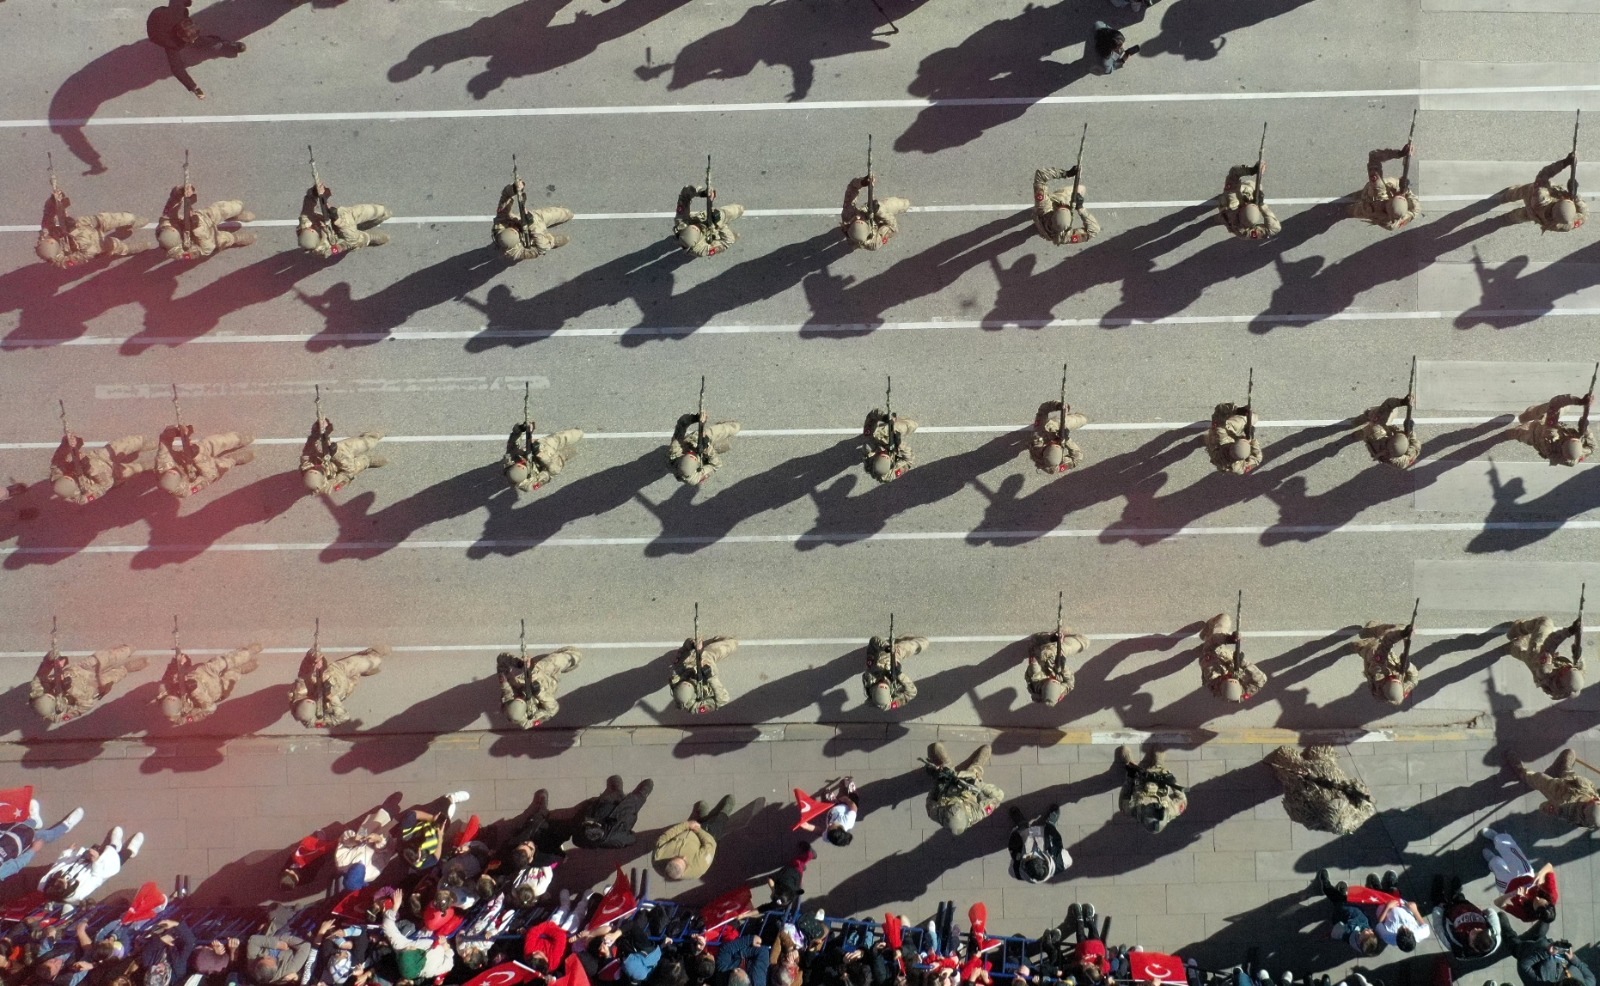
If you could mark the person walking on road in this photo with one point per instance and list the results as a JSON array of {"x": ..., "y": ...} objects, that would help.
[{"x": 171, "y": 28}]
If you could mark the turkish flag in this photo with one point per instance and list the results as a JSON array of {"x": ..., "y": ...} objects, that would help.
[
  {"x": 1154, "y": 967},
  {"x": 809, "y": 807},
  {"x": 726, "y": 908},
  {"x": 618, "y": 903},
  {"x": 146, "y": 904},
  {"x": 978, "y": 917},
  {"x": 1366, "y": 895},
  {"x": 504, "y": 974},
  {"x": 14, "y": 804},
  {"x": 894, "y": 930},
  {"x": 575, "y": 974}
]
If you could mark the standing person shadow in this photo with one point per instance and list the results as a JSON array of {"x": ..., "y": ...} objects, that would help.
[
  {"x": 134, "y": 66},
  {"x": 1511, "y": 298},
  {"x": 1198, "y": 29},
  {"x": 365, "y": 534},
  {"x": 513, "y": 528},
  {"x": 171, "y": 320},
  {"x": 1007, "y": 60},
  {"x": 1513, "y": 522},
  {"x": 54, "y": 307},
  {"x": 351, "y": 321}
]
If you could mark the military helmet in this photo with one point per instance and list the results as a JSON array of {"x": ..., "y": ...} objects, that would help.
[
  {"x": 1572, "y": 448},
  {"x": 690, "y": 236},
  {"x": 508, "y": 238},
  {"x": 517, "y": 711},
  {"x": 45, "y": 705},
  {"x": 1239, "y": 450},
  {"x": 169, "y": 238},
  {"x": 1569, "y": 682},
  {"x": 308, "y": 238},
  {"x": 1399, "y": 445},
  {"x": 48, "y": 249},
  {"x": 879, "y": 694},
  {"x": 1052, "y": 454},
  {"x": 518, "y": 471},
  {"x": 1052, "y": 691},
  {"x": 1398, "y": 207},
  {"x": 1060, "y": 219},
  {"x": 1250, "y": 214},
  {"x": 305, "y": 712},
  {"x": 859, "y": 232},
  {"x": 66, "y": 487},
  {"x": 1391, "y": 690},
  {"x": 1232, "y": 690},
  {"x": 314, "y": 479},
  {"x": 683, "y": 694},
  {"x": 172, "y": 707},
  {"x": 1566, "y": 212},
  {"x": 173, "y": 481},
  {"x": 686, "y": 466},
  {"x": 881, "y": 465}
]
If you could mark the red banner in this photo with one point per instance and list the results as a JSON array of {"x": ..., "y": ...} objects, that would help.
[
  {"x": 726, "y": 908},
  {"x": 14, "y": 804},
  {"x": 618, "y": 903},
  {"x": 1366, "y": 895},
  {"x": 1154, "y": 967},
  {"x": 504, "y": 974},
  {"x": 810, "y": 807},
  {"x": 146, "y": 904}
]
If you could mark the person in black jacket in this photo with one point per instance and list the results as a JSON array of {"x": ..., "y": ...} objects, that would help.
[
  {"x": 171, "y": 27},
  {"x": 608, "y": 820},
  {"x": 1035, "y": 846}
]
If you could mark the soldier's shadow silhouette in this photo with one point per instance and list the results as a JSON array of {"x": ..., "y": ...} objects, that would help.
[
  {"x": 596, "y": 704},
  {"x": 512, "y": 529},
  {"x": 55, "y": 306},
  {"x": 125, "y": 712},
  {"x": 408, "y": 734},
  {"x": 176, "y": 539},
  {"x": 365, "y": 534},
  {"x": 171, "y": 320},
  {"x": 1513, "y": 522},
  {"x": 200, "y": 746},
  {"x": 55, "y": 530},
  {"x": 772, "y": 701},
  {"x": 1511, "y": 298},
  {"x": 351, "y": 321}
]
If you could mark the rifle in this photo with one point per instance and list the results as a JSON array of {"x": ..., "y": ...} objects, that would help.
[
  {"x": 1249, "y": 408},
  {"x": 188, "y": 455},
  {"x": 523, "y": 232},
  {"x": 1405, "y": 168},
  {"x": 872, "y": 201},
  {"x": 1411, "y": 629},
  {"x": 710, "y": 194},
  {"x": 894, "y": 661},
  {"x": 892, "y": 441},
  {"x": 65, "y": 430},
  {"x": 1411, "y": 399},
  {"x": 184, "y": 208},
  {"x": 1261, "y": 160},
  {"x": 1577, "y": 625},
  {"x": 1238, "y": 633},
  {"x": 700, "y": 419},
  {"x": 527, "y": 669},
  {"x": 1077, "y": 176},
  {"x": 1062, "y": 429},
  {"x": 316, "y": 183},
  {"x": 1572, "y": 182},
  {"x": 1061, "y": 658},
  {"x": 317, "y": 684},
  {"x": 946, "y": 774},
  {"x": 1588, "y": 402},
  {"x": 50, "y": 167},
  {"x": 57, "y": 196},
  {"x": 53, "y": 650}
]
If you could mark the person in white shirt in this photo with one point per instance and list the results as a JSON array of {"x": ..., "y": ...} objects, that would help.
[
  {"x": 841, "y": 818},
  {"x": 81, "y": 871}
]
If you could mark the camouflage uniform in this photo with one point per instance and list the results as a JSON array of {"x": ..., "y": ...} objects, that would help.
[
  {"x": 190, "y": 692},
  {"x": 65, "y": 241},
  {"x": 1377, "y": 430},
  {"x": 345, "y": 231},
  {"x": 1047, "y": 654},
  {"x": 540, "y": 460},
  {"x": 1047, "y": 432},
  {"x": 880, "y": 217},
  {"x": 1540, "y": 199},
  {"x": 1569, "y": 797},
  {"x": 185, "y": 467},
  {"x": 1046, "y": 202},
  {"x": 960, "y": 799},
  {"x": 1151, "y": 794},
  {"x": 338, "y": 681},
  {"x": 886, "y": 435},
  {"x": 329, "y": 466},
  {"x": 1221, "y": 662},
  {"x": 205, "y": 236},
  {"x": 1373, "y": 204},
  {"x": 61, "y": 690},
  {"x": 1541, "y": 427},
  {"x": 1381, "y": 664},
  {"x": 528, "y": 692},
  {"x": 706, "y": 459},
  {"x": 1236, "y": 193},
  {"x": 1537, "y": 642},
  {"x": 79, "y": 475},
  {"x": 1230, "y": 423},
  {"x": 695, "y": 666},
  {"x": 1316, "y": 791},
  {"x": 716, "y": 231},
  {"x": 887, "y": 668},
  {"x": 519, "y": 235}
]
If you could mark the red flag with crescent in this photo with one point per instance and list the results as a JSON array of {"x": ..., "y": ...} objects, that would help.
[
  {"x": 726, "y": 908},
  {"x": 1366, "y": 895},
  {"x": 810, "y": 807},
  {"x": 147, "y": 903},
  {"x": 14, "y": 804},
  {"x": 618, "y": 903},
  {"x": 504, "y": 974},
  {"x": 1154, "y": 967}
]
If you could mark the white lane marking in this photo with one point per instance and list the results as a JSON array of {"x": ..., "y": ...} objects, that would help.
[
  {"x": 1507, "y": 584},
  {"x": 801, "y": 432},
  {"x": 806, "y": 106},
  {"x": 1112, "y": 533},
  {"x": 268, "y": 388},
  {"x": 794, "y": 328},
  {"x": 1000, "y": 207},
  {"x": 998, "y": 638}
]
